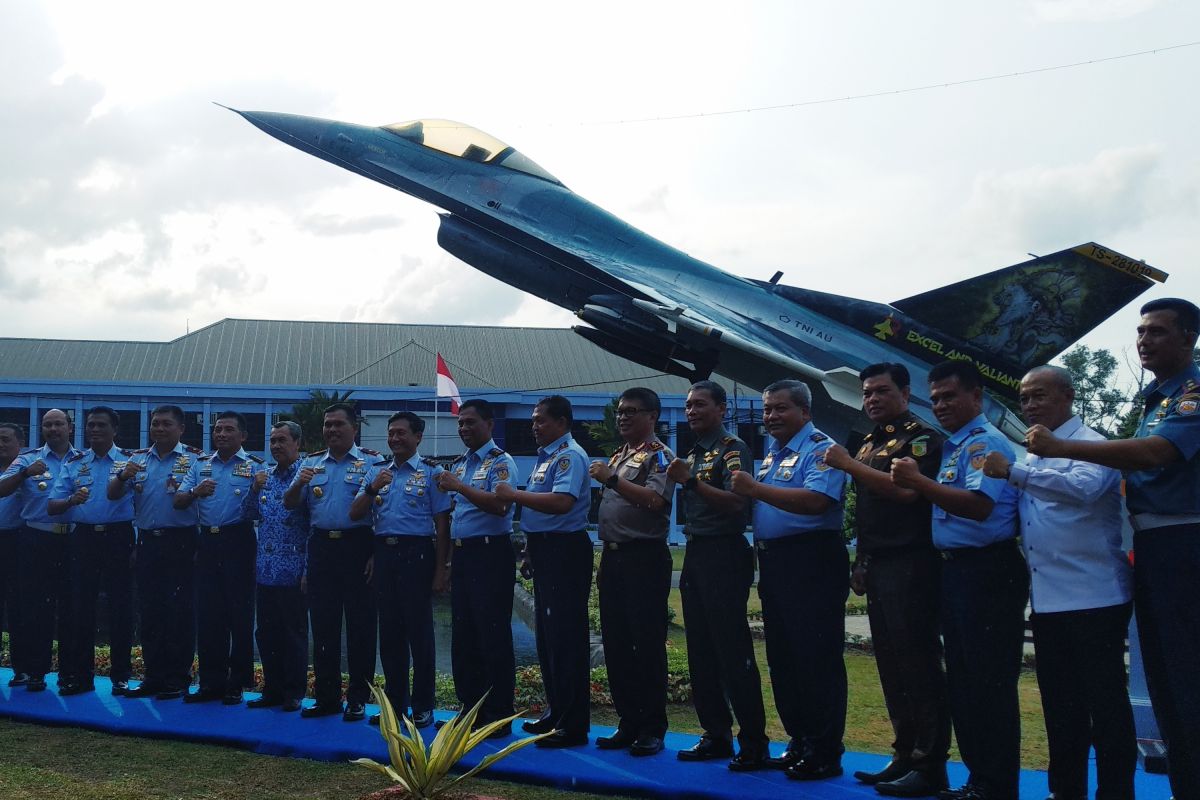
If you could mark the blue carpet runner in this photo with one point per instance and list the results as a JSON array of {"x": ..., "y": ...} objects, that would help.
[{"x": 273, "y": 732}]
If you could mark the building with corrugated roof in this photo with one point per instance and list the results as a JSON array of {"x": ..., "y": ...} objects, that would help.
[{"x": 261, "y": 368}]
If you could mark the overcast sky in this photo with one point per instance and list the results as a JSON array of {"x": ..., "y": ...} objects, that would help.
[{"x": 131, "y": 207}]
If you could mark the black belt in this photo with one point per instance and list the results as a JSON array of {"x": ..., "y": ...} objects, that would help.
[
  {"x": 237, "y": 527},
  {"x": 407, "y": 540},
  {"x": 479, "y": 541},
  {"x": 722, "y": 538},
  {"x": 767, "y": 545},
  {"x": 958, "y": 553},
  {"x": 889, "y": 552},
  {"x": 326, "y": 533},
  {"x": 556, "y": 533},
  {"x": 101, "y": 527},
  {"x": 157, "y": 532},
  {"x": 635, "y": 544}
]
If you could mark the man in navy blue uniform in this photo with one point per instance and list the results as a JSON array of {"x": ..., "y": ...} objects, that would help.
[
  {"x": 804, "y": 579},
  {"x": 44, "y": 558},
  {"x": 165, "y": 554},
  {"x": 12, "y": 441},
  {"x": 481, "y": 591},
  {"x": 339, "y": 552},
  {"x": 282, "y": 633},
  {"x": 554, "y": 518},
  {"x": 102, "y": 547},
  {"x": 985, "y": 584},
  {"x": 1162, "y": 488},
  {"x": 218, "y": 485},
  {"x": 401, "y": 498}
]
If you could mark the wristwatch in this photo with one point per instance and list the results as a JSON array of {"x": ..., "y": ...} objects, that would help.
[
  {"x": 691, "y": 482},
  {"x": 612, "y": 481}
]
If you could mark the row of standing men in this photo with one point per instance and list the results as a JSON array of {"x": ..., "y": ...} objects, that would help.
[{"x": 939, "y": 552}]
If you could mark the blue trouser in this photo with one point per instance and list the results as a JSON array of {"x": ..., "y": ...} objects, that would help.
[
  {"x": 481, "y": 646},
  {"x": 403, "y": 580}
]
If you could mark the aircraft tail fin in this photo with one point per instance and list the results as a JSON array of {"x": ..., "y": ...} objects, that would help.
[{"x": 1026, "y": 314}]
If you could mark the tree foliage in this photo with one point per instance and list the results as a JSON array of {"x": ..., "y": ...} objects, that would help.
[
  {"x": 1098, "y": 401},
  {"x": 311, "y": 416},
  {"x": 604, "y": 433}
]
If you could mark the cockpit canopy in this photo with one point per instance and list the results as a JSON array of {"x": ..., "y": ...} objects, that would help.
[{"x": 463, "y": 141}]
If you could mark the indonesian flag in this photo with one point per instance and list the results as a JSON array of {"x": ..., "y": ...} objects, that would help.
[{"x": 446, "y": 387}]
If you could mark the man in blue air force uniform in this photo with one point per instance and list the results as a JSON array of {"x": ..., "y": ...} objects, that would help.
[
  {"x": 44, "y": 559},
  {"x": 481, "y": 592},
  {"x": 401, "y": 498},
  {"x": 339, "y": 553},
  {"x": 554, "y": 518},
  {"x": 12, "y": 441},
  {"x": 804, "y": 579},
  {"x": 985, "y": 584},
  {"x": 102, "y": 542},
  {"x": 218, "y": 485},
  {"x": 166, "y": 552}
]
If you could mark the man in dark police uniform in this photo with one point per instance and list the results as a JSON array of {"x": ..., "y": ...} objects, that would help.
[
  {"x": 635, "y": 574},
  {"x": 900, "y": 572},
  {"x": 1163, "y": 498},
  {"x": 718, "y": 569}
]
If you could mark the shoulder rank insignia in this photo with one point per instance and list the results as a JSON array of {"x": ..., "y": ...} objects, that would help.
[
  {"x": 257, "y": 459},
  {"x": 370, "y": 452},
  {"x": 206, "y": 457},
  {"x": 657, "y": 445},
  {"x": 141, "y": 451},
  {"x": 429, "y": 462},
  {"x": 76, "y": 457},
  {"x": 820, "y": 437},
  {"x": 316, "y": 453},
  {"x": 911, "y": 425},
  {"x": 977, "y": 431},
  {"x": 727, "y": 440},
  {"x": 193, "y": 450},
  {"x": 126, "y": 453},
  {"x": 385, "y": 462},
  {"x": 495, "y": 452}
]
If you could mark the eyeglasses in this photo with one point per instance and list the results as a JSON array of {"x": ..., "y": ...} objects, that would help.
[{"x": 629, "y": 412}]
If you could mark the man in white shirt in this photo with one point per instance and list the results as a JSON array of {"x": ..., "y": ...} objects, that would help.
[{"x": 1081, "y": 586}]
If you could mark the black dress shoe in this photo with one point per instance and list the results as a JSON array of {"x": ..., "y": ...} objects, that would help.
[
  {"x": 232, "y": 698},
  {"x": 19, "y": 679},
  {"x": 707, "y": 748},
  {"x": 560, "y": 739},
  {"x": 35, "y": 684},
  {"x": 967, "y": 792},
  {"x": 543, "y": 725},
  {"x": 646, "y": 746},
  {"x": 354, "y": 712},
  {"x": 618, "y": 741},
  {"x": 291, "y": 705},
  {"x": 896, "y": 768},
  {"x": 422, "y": 719},
  {"x": 320, "y": 710},
  {"x": 749, "y": 759},
  {"x": 143, "y": 690},
  {"x": 120, "y": 688},
  {"x": 172, "y": 694},
  {"x": 503, "y": 732},
  {"x": 917, "y": 783},
  {"x": 66, "y": 690},
  {"x": 199, "y": 696},
  {"x": 810, "y": 769},
  {"x": 784, "y": 760},
  {"x": 266, "y": 701}
]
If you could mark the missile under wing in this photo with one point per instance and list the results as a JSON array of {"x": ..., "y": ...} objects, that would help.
[{"x": 657, "y": 306}]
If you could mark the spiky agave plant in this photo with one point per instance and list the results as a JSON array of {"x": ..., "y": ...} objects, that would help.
[{"x": 423, "y": 773}]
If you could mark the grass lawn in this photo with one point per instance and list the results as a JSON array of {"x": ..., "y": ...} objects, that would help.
[{"x": 46, "y": 763}]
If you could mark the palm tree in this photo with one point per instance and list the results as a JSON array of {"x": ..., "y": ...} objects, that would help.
[
  {"x": 604, "y": 433},
  {"x": 311, "y": 416}
]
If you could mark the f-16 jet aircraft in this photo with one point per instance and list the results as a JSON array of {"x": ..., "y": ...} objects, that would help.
[{"x": 657, "y": 306}]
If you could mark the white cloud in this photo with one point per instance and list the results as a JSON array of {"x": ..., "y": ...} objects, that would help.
[{"x": 1089, "y": 10}]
